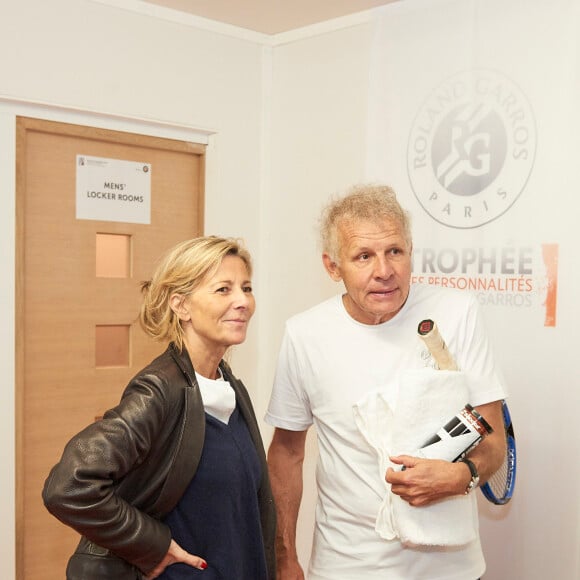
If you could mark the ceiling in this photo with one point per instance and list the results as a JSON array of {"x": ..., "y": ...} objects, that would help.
[{"x": 270, "y": 16}]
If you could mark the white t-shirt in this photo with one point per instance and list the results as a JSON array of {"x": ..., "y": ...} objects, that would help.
[{"x": 328, "y": 362}]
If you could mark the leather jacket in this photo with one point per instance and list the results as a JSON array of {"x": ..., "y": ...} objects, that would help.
[{"x": 119, "y": 476}]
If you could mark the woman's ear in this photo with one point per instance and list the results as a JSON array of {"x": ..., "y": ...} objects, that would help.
[
  {"x": 178, "y": 304},
  {"x": 331, "y": 267}
]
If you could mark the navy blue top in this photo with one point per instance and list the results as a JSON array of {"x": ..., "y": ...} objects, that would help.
[{"x": 218, "y": 517}]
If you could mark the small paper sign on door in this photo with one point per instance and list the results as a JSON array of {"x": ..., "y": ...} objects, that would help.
[{"x": 113, "y": 190}]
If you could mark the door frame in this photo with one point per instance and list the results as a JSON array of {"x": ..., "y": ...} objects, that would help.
[{"x": 11, "y": 548}]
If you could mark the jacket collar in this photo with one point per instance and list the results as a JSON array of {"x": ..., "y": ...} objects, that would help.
[{"x": 181, "y": 358}]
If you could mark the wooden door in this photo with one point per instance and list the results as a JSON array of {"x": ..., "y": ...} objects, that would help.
[{"x": 77, "y": 340}]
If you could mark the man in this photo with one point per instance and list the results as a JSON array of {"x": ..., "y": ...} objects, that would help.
[{"x": 334, "y": 355}]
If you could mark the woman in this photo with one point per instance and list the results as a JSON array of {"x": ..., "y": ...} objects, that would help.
[{"x": 172, "y": 483}]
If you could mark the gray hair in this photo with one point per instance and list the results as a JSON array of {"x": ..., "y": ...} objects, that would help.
[{"x": 362, "y": 202}]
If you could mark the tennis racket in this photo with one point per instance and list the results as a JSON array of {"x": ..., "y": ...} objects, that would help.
[{"x": 500, "y": 486}]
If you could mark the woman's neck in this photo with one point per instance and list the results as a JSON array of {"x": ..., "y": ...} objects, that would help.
[{"x": 205, "y": 361}]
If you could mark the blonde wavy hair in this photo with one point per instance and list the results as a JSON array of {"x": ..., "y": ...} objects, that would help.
[{"x": 180, "y": 271}]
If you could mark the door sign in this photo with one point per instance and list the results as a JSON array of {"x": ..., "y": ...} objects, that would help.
[{"x": 113, "y": 190}]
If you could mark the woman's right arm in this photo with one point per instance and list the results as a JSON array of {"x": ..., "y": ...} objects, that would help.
[
  {"x": 81, "y": 488},
  {"x": 176, "y": 554}
]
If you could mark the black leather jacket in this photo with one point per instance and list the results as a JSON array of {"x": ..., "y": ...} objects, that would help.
[{"x": 120, "y": 475}]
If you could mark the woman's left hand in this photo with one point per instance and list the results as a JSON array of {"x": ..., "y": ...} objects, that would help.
[{"x": 176, "y": 554}]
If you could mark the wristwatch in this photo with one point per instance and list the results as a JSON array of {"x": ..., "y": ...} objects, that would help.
[{"x": 474, "y": 475}]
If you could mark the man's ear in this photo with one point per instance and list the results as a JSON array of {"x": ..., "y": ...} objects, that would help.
[
  {"x": 177, "y": 304},
  {"x": 331, "y": 267}
]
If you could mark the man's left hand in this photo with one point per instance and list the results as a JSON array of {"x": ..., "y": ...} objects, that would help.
[{"x": 425, "y": 481}]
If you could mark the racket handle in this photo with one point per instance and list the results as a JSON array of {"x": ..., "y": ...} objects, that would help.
[{"x": 429, "y": 333}]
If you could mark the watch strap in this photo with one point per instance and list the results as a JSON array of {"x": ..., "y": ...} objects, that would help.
[{"x": 474, "y": 475}]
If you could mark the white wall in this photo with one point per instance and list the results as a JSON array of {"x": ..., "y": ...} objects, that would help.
[
  {"x": 318, "y": 117},
  {"x": 319, "y": 93},
  {"x": 286, "y": 119},
  {"x": 7, "y": 418},
  {"x": 75, "y": 57}
]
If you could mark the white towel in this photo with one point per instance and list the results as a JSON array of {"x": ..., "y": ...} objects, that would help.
[{"x": 426, "y": 400}]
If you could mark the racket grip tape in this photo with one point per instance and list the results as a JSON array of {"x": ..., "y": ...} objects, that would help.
[{"x": 429, "y": 333}]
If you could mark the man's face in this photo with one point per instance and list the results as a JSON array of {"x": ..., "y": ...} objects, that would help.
[{"x": 375, "y": 267}]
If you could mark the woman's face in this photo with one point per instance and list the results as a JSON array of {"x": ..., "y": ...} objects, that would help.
[{"x": 216, "y": 314}]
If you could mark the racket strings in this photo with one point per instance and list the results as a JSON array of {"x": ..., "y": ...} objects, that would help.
[
  {"x": 498, "y": 482},
  {"x": 500, "y": 485}
]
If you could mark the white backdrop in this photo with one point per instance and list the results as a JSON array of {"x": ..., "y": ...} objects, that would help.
[{"x": 473, "y": 119}]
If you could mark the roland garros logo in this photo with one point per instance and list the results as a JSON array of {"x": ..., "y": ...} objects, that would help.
[{"x": 471, "y": 149}]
